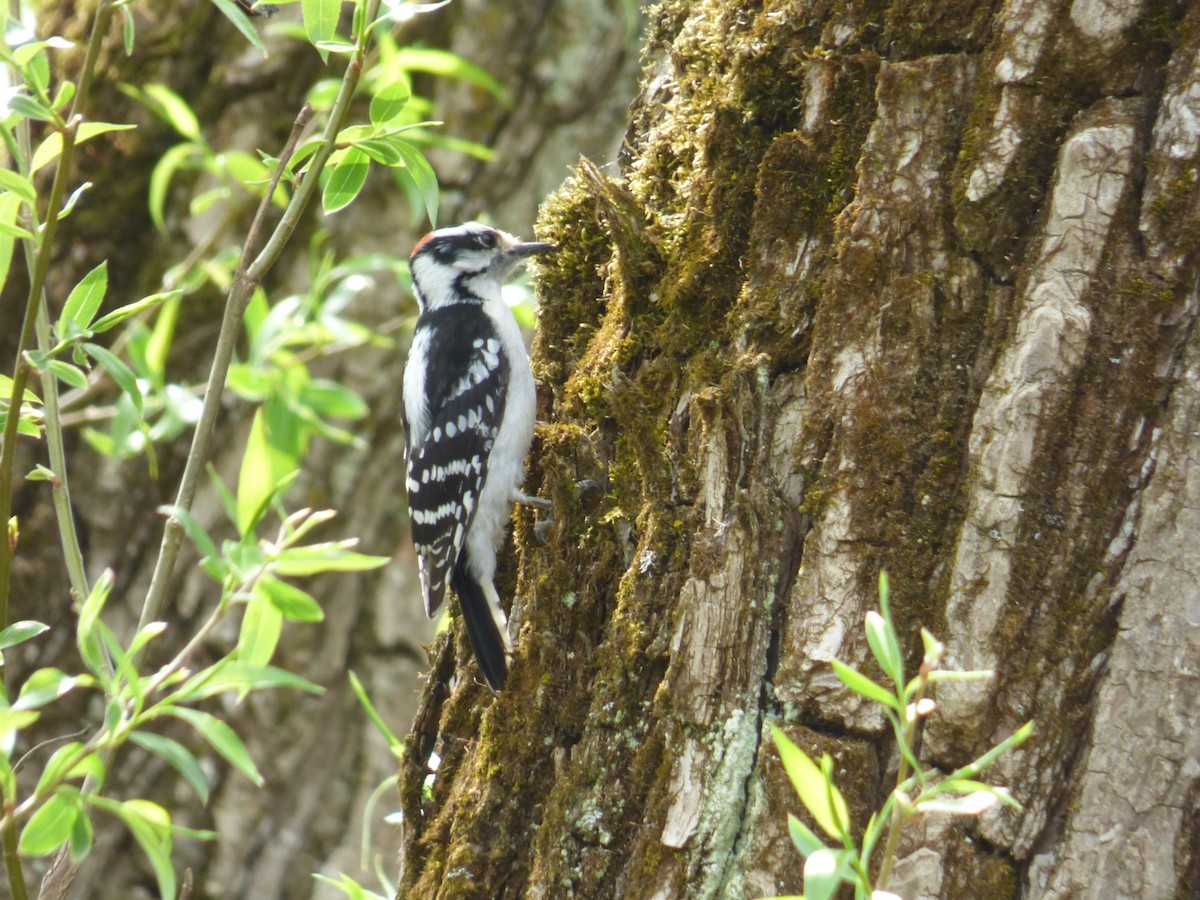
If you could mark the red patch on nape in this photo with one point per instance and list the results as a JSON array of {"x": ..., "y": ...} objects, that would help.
[{"x": 421, "y": 243}]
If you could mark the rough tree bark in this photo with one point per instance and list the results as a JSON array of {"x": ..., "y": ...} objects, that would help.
[
  {"x": 903, "y": 285},
  {"x": 320, "y": 757}
]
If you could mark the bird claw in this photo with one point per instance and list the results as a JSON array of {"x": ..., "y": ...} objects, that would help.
[
  {"x": 528, "y": 500},
  {"x": 541, "y": 530}
]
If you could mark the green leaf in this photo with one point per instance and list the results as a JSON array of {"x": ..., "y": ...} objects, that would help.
[
  {"x": 177, "y": 756},
  {"x": 11, "y": 722},
  {"x": 972, "y": 804},
  {"x": 251, "y": 382},
  {"x": 811, "y": 786},
  {"x": 42, "y": 687},
  {"x": 346, "y": 178},
  {"x": 273, "y": 451},
  {"x": 394, "y": 743},
  {"x": 10, "y": 205},
  {"x": 89, "y": 616},
  {"x": 128, "y": 29},
  {"x": 51, "y": 824},
  {"x": 120, "y": 373},
  {"x": 66, "y": 764},
  {"x": 328, "y": 557},
  {"x": 16, "y": 231},
  {"x": 256, "y": 311},
  {"x": 473, "y": 149},
  {"x": 262, "y": 625},
  {"x": 933, "y": 648},
  {"x": 418, "y": 171},
  {"x": 26, "y": 425},
  {"x": 302, "y": 522},
  {"x": 196, "y": 834},
  {"x": 67, "y": 373},
  {"x": 406, "y": 10},
  {"x": 127, "y": 674},
  {"x": 821, "y": 875},
  {"x": 228, "y": 501},
  {"x": 234, "y": 675},
  {"x": 51, "y": 148},
  {"x": 295, "y": 604},
  {"x": 883, "y": 644},
  {"x": 121, "y": 313},
  {"x": 871, "y": 835},
  {"x": 82, "y": 837},
  {"x": 159, "y": 344},
  {"x": 320, "y": 19},
  {"x": 287, "y": 435},
  {"x": 29, "y": 108},
  {"x": 1014, "y": 740},
  {"x": 245, "y": 168},
  {"x": 221, "y": 738},
  {"x": 961, "y": 786},
  {"x": 334, "y": 400},
  {"x": 241, "y": 22},
  {"x": 334, "y": 46},
  {"x": 864, "y": 686},
  {"x": 64, "y": 95},
  {"x": 806, "y": 842},
  {"x": 18, "y": 184},
  {"x": 381, "y": 150},
  {"x": 150, "y": 826},
  {"x": 144, "y": 636},
  {"x": 170, "y": 107},
  {"x": 389, "y": 101},
  {"x": 181, "y": 156},
  {"x": 450, "y": 65},
  {"x": 245, "y": 559},
  {"x": 19, "y": 632},
  {"x": 352, "y": 134},
  {"x": 69, "y": 206}
]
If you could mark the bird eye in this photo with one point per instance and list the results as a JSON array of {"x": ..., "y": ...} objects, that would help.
[{"x": 488, "y": 240}]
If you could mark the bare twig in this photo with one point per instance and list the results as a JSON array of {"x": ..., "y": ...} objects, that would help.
[
  {"x": 231, "y": 323},
  {"x": 37, "y": 284},
  {"x": 244, "y": 283}
]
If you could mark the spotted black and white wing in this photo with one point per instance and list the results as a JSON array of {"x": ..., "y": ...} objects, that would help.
[{"x": 453, "y": 408}]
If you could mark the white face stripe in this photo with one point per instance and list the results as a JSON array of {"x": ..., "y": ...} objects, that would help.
[{"x": 436, "y": 278}]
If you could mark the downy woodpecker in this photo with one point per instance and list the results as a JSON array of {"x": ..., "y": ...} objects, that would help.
[{"x": 469, "y": 407}]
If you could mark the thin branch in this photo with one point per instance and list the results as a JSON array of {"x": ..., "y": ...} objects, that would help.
[
  {"x": 21, "y": 371},
  {"x": 900, "y": 809},
  {"x": 231, "y": 323},
  {"x": 61, "y": 491},
  {"x": 8, "y": 449},
  {"x": 244, "y": 283},
  {"x": 12, "y": 861}
]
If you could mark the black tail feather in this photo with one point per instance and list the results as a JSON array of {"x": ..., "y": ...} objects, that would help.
[{"x": 482, "y": 631}]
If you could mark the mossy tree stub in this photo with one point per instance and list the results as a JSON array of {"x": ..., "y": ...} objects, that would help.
[{"x": 876, "y": 286}]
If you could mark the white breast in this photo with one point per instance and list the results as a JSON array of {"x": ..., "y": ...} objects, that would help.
[{"x": 506, "y": 465}]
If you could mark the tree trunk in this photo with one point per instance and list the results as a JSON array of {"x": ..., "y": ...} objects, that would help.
[
  {"x": 907, "y": 286},
  {"x": 320, "y": 756}
]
